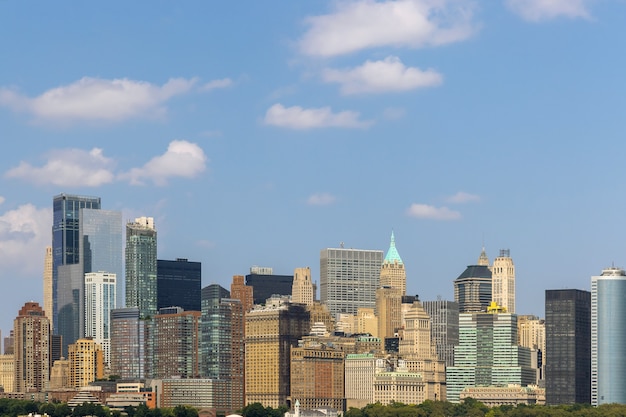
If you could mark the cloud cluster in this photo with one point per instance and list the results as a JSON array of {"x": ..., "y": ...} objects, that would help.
[
  {"x": 182, "y": 159},
  {"x": 320, "y": 199},
  {"x": 97, "y": 99},
  {"x": 358, "y": 25},
  {"x": 385, "y": 75},
  {"x": 24, "y": 234},
  {"x": 540, "y": 10},
  {"x": 296, "y": 117},
  {"x": 425, "y": 211},
  {"x": 80, "y": 168},
  {"x": 463, "y": 197}
]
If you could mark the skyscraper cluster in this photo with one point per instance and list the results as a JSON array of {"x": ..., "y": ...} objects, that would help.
[{"x": 149, "y": 323}]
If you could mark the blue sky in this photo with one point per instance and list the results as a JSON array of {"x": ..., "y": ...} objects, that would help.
[{"x": 259, "y": 133}]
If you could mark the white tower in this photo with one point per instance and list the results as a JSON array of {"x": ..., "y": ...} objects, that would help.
[
  {"x": 503, "y": 281},
  {"x": 100, "y": 299}
]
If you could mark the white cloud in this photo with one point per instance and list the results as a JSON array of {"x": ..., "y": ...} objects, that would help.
[
  {"x": 296, "y": 117},
  {"x": 360, "y": 24},
  {"x": 320, "y": 199},
  {"x": 182, "y": 159},
  {"x": 388, "y": 75},
  {"x": 96, "y": 99},
  {"x": 539, "y": 10},
  {"x": 68, "y": 168},
  {"x": 424, "y": 211},
  {"x": 2, "y": 200},
  {"x": 463, "y": 197},
  {"x": 24, "y": 235},
  {"x": 394, "y": 113},
  {"x": 214, "y": 84}
]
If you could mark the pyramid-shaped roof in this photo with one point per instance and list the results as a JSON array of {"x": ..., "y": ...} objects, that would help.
[{"x": 392, "y": 253}]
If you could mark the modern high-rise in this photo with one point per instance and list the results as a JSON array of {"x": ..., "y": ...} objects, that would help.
[
  {"x": 129, "y": 343},
  {"x": 48, "y": 301},
  {"x": 141, "y": 266},
  {"x": 100, "y": 299},
  {"x": 66, "y": 287},
  {"x": 608, "y": 337},
  {"x": 349, "y": 279},
  {"x": 175, "y": 343},
  {"x": 503, "y": 281},
  {"x": 472, "y": 289},
  {"x": 32, "y": 349},
  {"x": 302, "y": 290},
  {"x": 178, "y": 284},
  {"x": 266, "y": 284},
  {"x": 488, "y": 353},
  {"x": 392, "y": 272},
  {"x": 444, "y": 330},
  {"x": 271, "y": 332},
  {"x": 568, "y": 347},
  {"x": 222, "y": 345}
]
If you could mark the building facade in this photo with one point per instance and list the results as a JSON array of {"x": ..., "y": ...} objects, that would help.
[
  {"x": 608, "y": 337},
  {"x": 240, "y": 291},
  {"x": 86, "y": 362},
  {"x": 141, "y": 266},
  {"x": 503, "y": 281},
  {"x": 100, "y": 299},
  {"x": 444, "y": 330},
  {"x": 175, "y": 343},
  {"x": 130, "y": 334},
  {"x": 392, "y": 272},
  {"x": 359, "y": 379},
  {"x": 472, "y": 289},
  {"x": 48, "y": 301},
  {"x": 349, "y": 279},
  {"x": 7, "y": 372},
  {"x": 178, "y": 284},
  {"x": 568, "y": 347},
  {"x": 32, "y": 349},
  {"x": 265, "y": 284},
  {"x": 302, "y": 290},
  {"x": 388, "y": 311}
]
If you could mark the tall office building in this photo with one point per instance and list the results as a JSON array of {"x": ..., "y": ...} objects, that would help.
[
  {"x": 444, "y": 330},
  {"x": 240, "y": 291},
  {"x": 349, "y": 279},
  {"x": 472, "y": 289},
  {"x": 388, "y": 311},
  {"x": 141, "y": 266},
  {"x": 568, "y": 347},
  {"x": 271, "y": 332},
  {"x": 503, "y": 281},
  {"x": 100, "y": 299},
  {"x": 222, "y": 344},
  {"x": 66, "y": 294},
  {"x": 129, "y": 344},
  {"x": 608, "y": 337},
  {"x": 32, "y": 349},
  {"x": 488, "y": 353},
  {"x": 178, "y": 284},
  {"x": 175, "y": 343},
  {"x": 302, "y": 290},
  {"x": 531, "y": 331},
  {"x": 266, "y": 284},
  {"x": 86, "y": 363},
  {"x": 392, "y": 272},
  {"x": 48, "y": 301},
  {"x": 7, "y": 372}
]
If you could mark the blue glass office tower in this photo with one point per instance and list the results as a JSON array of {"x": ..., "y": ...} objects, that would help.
[
  {"x": 179, "y": 284},
  {"x": 608, "y": 337}
]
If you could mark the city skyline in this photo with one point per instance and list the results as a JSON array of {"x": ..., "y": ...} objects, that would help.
[{"x": 254, "y": 140}]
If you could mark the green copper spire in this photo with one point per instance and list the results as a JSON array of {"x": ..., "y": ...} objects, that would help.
[{"x": 392, "y": 253}]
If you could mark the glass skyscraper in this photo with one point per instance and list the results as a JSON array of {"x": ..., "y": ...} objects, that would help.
[
  {"x": 349, "y": 279},
  {"x": 608, "y": 337},
  {"x": 141, "y": 266},
  {"x": 178, "y": 284},
  {"x": 568, "y": 345}
]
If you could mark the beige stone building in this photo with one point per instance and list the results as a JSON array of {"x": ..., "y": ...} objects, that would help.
[
  {"x": 317, "y": 376},
  {"x": 302, "y": 287},
  {"x": 360, "y": 369},
  {"x": 396, "y": 383},
  {"x": 531, "y": 332},
  {"x": 7, "y": 372},
  {"x": 388, "y": 311},
  {"x": 271, "y": 331},
  {"x": 60, "y": 375},
  {"x": 366, "y": 321},
  {"x": 503, "y": 281},
  {"x": 47, "y": 284},
  {"x": 86, "y": 362},
  {"x": 319, "y": 313},
  {"x": 392, "y": 272},
  {"x": 509, "y": 395}
]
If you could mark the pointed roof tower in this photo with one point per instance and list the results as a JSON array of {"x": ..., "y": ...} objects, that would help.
[
  {"x": 482, "y": 259},
  {"x": 392, "y": 253}
]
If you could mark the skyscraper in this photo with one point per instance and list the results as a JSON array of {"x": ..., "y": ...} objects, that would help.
[
  {"x": 48, "y": 302},
  {"x": 129, "y": 344},
  {"x": 302, "y": 289},
  {"x": 240, "y": 291},
  {"x": 472, "y": 289},
  {"x": 488, "y": 353},
  {"x": 349, "y": 279},
  {"x": 444, "y": 317},
  {"x": 32, "y": 349},
  {"x": 175, "y": 343},
  {"x": 392, "y": 272},
  {"x": 608, "y": 337},
  {"x": 267, "y": 284},
  {"x": 178, "y": 284},
  {"x": 141, "y": 266},
  {"x": 100, "y": 299},
  {"x": 568, "y": 347},
  {"x": 86, "y": 362},
  {"x": 65, "y": 251},
  {"x": 388, "y": 311},
  {"x": 503, "y": 281}
]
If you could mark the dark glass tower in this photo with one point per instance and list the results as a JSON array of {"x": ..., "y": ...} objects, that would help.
[
  {"x": 568, "y": 346},
  {"x": 472, "y": 289},
  {"x": 266, "y": 285},
  {"x": 178, "y": 284}
]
